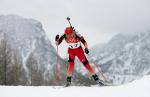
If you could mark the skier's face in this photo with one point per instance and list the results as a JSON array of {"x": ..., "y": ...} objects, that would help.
[{"x": 70, "y": 35}]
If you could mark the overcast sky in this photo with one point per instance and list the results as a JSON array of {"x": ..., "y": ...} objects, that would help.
[{"x": 96, "y": 20}]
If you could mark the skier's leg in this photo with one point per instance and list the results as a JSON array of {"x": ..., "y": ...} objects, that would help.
[
  {"x": 71, "y": 65},
  {"x": 88, "y": 67},
  {"x": 70, "y": 70},
  {"x": 83, "y": 59}
]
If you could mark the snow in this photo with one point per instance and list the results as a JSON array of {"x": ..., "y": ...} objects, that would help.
[{"x": 138, "y": 88}]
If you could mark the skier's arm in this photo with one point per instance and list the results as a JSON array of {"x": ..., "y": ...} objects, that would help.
[
  {"x": 82, "y": 40},
  {"x": 85, "y": 45},
  {"x": 59, "y": 40}
]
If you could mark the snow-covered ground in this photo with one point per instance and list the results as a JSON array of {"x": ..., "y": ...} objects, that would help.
[{"x": 138, "y": 88}]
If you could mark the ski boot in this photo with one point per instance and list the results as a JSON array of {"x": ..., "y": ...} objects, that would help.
[
  {"x": 98, "y": 81},
  {"x": 68, "y": 83}
]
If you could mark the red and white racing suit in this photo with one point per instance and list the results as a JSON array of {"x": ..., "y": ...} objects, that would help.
[{"x": 74, "y": 41}]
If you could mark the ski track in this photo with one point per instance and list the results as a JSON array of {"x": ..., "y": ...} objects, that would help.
[{"x": 138, "y": 88}]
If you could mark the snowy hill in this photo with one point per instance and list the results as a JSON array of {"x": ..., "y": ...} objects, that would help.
[
  {"x": 138, "y": 88},
  {"x": 125, "y": 58},
  {"x": 30, "y": 57}
]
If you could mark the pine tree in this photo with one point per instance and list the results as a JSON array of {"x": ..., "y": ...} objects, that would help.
[
  {"x": 35, "y": 74},
  {"x": 5, "y": 60}
]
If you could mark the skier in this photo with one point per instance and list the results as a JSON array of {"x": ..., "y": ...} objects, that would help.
[{"x": 74, "y": 41}]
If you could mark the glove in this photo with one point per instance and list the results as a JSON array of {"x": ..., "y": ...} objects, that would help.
[
  {"x": 86, "y": 50},
  {"x": 57, "y": 37}
]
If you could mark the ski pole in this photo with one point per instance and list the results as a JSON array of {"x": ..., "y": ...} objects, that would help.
[
  {"x": 57, "y": 65},
  {"x": 99, "y": 70}
]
